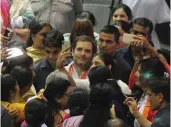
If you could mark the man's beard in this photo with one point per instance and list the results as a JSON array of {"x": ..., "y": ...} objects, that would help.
[{"x": 83, "y": 66}]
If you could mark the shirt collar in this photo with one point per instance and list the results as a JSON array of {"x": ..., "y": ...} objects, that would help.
[{"x": 45, "y": 64}]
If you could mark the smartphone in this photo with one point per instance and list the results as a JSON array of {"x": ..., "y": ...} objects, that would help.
[
  {"x": 133, "y": 96},
  {"x": 7, "y": 32},
  {"x": 127, "y": 38},
  {"x": 14, "y": 52}
]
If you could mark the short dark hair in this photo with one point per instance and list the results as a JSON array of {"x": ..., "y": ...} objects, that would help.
[
  {"x": 53, "y": 38},
  {"x": 108, "y": 60},
  {"x": 153, "y": 66},
  {"x": 160, "y": 85},
  {"x": 98, "y": 112},
  {"x": 23, "y": 60},
  {"x": 99, "y": 74},
  {"x": 145, "y": 23},
  {"x": 36, "y": 112},
  {"x": 78, "y": 101},
  {"x": 17, "y": 44},
  {"x": 126, "y": 9},
  {"x": 23, "y": 75},
  {"x": 85, "y": 38},
  {"x": 8, "y": 83},
  {"x": 110, "y": 29},
  {"x": 90, "y": 16}
]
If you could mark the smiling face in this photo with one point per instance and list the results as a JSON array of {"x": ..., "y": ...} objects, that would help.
[
  {"x": 119, "y": 14},
  {"x": 83, "y": 54}
]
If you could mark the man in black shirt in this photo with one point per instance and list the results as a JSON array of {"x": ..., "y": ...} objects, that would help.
[
  {"x": 108, "y": 40},
  {"x": 53, "y": 46}
]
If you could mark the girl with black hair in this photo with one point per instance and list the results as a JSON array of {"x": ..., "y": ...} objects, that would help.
[
  {"x": 98, "y": 112},
  {"x": 10, "y": 98},
  {"x": 122, "y": 12},
  {"x": 78, "y": 101},
  {"x": 35, "y": 113},
  {"x": 56, "y": 95},
  {"x": 104, "y": 59}
]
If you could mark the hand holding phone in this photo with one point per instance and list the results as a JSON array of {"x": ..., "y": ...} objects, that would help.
[
  {"x": 64, "y": 55},
  {"x": 127, "y": 38}
]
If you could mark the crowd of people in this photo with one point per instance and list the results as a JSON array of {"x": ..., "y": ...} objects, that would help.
[{"x": 64, "y": 74}]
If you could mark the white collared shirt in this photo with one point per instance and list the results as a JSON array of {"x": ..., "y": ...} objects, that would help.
[{"x": 73, "y": 73}]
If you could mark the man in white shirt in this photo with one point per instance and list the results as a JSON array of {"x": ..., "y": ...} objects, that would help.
[{"x": 82, "y": 51}]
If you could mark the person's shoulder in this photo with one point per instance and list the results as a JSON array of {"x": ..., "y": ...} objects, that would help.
[
  {"x": 162, "y": 119},
  {"x": 40, "y": 64},
  {"x": 121, "y": 51}
]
